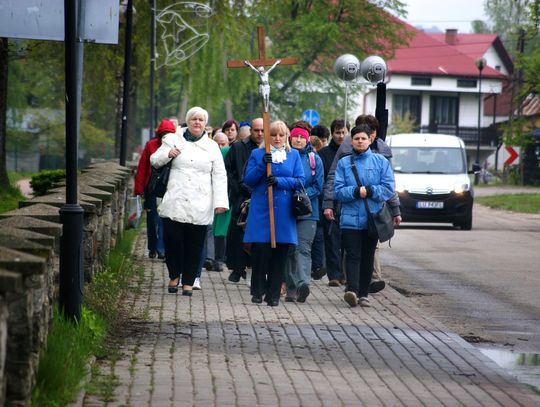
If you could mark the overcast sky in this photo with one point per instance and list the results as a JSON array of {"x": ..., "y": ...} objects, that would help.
[{"x": 445, "y": 13}]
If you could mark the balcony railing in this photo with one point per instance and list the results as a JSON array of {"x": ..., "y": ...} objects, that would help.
[{"x": 488, "y": 135}]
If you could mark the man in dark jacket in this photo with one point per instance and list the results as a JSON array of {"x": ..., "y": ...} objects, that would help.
[
  {"x": 235, "y": 161},
  {"x": 345, "y": 149},
  {"x": 332, "y": 234}
]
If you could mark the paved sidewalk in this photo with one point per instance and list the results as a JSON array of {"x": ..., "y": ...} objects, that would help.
[{"x": 218, "y": 349}]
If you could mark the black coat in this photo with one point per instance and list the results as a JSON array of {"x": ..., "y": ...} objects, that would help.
[
  {"x": 327, "y": 155},
  {"x": 235, "y": 162}
]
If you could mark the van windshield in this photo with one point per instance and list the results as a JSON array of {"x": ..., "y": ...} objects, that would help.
[{"x": 428, "y": 160}]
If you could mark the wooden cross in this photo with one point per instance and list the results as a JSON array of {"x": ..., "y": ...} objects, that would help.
[{"x": 262, "y": 62}]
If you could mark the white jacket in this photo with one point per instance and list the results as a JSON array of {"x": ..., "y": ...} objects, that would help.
[{"x": 198, "y": 180}]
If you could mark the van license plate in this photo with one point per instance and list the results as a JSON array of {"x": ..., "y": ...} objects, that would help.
[{"x": 429, "y": 205}]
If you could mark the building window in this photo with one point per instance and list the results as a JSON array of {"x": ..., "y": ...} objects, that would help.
[
  {"x": 406, "y": 107},
  {"x": 420, "y": 81},
  {"x": 444, "y": 110},
  {"x": 466, "y": 83}
]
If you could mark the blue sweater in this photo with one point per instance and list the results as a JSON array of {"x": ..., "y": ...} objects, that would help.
[
  {"x": 374, "y": 171},
  {"x": 290, "y": 176}
]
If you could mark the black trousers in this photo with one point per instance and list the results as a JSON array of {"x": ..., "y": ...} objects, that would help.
[
  {"x": 359, "y": 254},
  {"x": 332, "y": 248},
  {"x": 237, "y": 258},
  {"x": 268, "y": 269},
  {"x": 184, "y": 243}
]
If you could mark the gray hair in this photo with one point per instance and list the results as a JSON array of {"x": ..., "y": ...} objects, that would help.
[{"x": 196, "y": 110}]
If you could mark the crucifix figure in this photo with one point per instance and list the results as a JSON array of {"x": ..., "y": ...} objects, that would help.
[
  {"x": 264, "y": 85},
  {"x": 264, "y": 90}
]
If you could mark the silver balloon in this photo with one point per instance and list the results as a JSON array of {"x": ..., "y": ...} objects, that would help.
[
  {"x": 373, "y": 69},
  {"x": 347, "y": 67}
]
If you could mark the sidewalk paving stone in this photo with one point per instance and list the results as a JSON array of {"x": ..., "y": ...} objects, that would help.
[{"x": 218, "y": 349}]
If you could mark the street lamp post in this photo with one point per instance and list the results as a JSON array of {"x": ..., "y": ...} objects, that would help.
[
  {"x": 480, "y": 64},
  {"x": 127, "y": 81}
]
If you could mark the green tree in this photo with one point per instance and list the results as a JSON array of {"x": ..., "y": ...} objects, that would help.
[{"x": 316, "y": 32}]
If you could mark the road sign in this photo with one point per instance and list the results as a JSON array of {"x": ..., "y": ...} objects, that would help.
[
  {"x": 311, "y": 116},
  {"x": 40, "y": 20},
  {"x": 513, "y": 155}
]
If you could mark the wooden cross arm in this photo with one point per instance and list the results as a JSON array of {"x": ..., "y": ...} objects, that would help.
[{"x": 262, "y": 62}]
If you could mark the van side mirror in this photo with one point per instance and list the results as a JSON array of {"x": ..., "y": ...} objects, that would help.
[{"x": 475, "y": 169}]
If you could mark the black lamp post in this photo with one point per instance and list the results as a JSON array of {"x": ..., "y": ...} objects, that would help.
[
  {"x": 127, "y": 81},
  {"x": 71, "y": 278},
  {"x": 480, "y": 64}
]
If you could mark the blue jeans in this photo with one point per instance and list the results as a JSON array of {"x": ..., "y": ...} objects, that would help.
[
  {"x": 298, "y": 266},
  {"x": 205, "y": 250},
  {"x": 154, "y": 225}
]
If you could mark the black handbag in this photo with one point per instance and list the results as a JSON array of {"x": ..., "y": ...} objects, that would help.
[
  {"x": 381, "y": 223},
  {"x": 301, "y": 203},
  {"x": 244, "y": 212},
  {"x": 159, "y": 179}
]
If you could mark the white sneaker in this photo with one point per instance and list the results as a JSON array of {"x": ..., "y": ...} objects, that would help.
[{"x": 197, "y": 284}]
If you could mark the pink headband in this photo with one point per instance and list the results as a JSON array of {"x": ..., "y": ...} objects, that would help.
[{"x": 297, "y": 131}]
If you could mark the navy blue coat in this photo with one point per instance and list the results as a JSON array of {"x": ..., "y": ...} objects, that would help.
[{"x": 290, "y": 176}]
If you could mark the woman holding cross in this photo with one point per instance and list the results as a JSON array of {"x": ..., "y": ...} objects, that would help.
[{"x": 268, "y": 264}]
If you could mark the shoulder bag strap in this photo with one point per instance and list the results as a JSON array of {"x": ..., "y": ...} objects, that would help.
[{"x": 357, "y": 177}]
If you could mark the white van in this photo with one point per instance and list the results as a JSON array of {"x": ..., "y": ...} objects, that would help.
[{"x": 432, "y": 179}]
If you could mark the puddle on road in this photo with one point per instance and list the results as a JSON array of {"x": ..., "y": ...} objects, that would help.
[{"x": 525, "y": 366}]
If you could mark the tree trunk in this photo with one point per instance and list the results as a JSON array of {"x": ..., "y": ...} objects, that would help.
[{"x": 4, "y": 181}]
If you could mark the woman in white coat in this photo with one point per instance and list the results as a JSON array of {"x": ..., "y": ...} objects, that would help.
[{"x": 197, "y": 190}]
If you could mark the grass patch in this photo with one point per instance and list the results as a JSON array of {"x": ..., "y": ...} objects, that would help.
[
  {"x": 524, "y": 203},
  {"x": 16, "y": 176},
  {"x": 9, "y": 200},
  {"x": 64, "y": 363}
]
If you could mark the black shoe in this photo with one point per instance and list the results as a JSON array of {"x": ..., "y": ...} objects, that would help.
[
  {"x": 256, "y": 299},
  {"x": 318, "y": 273},
  {"x": 244, "y": 274},
  {"x": 161, "y": 256},
  {"x": 302, "y": 293},
  {"x": 290, "y": 296},
  {"x": 234, "y": 277},
  {"x": 152, "y": 254},
  {"x": 273, "y": 303},
  {"x": 376, "y": 286},
  {"x": 208, "y": 264},
  {"x": 173, "y": 289},
  {"x": 218, "y": 266}
]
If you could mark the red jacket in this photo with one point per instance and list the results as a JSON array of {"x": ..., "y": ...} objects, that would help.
[{"x": 144, "y": 169}]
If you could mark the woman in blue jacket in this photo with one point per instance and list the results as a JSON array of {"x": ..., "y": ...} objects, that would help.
[
  {"x": 268, "y": 264},
  {"x": 298, "y": 270},
  {"x": 377, "y": 187}
]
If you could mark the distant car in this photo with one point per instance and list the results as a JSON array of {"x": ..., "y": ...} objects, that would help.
[{"x": 432, "y": 179}]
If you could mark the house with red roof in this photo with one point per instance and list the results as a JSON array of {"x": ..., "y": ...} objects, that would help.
[{"x": 435, "y": 81}]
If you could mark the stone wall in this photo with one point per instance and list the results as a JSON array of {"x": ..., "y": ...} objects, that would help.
[{"x": 29, "y": 266}]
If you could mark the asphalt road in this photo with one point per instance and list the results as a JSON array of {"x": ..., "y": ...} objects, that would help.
[{"x": 483, "y": 284}]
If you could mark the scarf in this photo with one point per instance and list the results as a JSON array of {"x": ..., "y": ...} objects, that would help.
[
  {"x": 278, "y": 154},
  {"x": 190, "y": 137}
]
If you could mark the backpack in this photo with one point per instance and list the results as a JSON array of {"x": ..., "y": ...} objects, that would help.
[{"x": 311, "y": 156}]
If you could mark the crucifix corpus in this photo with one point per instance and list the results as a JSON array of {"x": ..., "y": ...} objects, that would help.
[{"x": 258, "y": 65}]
